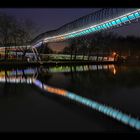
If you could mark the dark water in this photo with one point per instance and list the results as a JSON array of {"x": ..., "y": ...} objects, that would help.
[{"x": 25, "y": 107}]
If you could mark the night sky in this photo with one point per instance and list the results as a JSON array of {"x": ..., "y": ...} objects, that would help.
[{"x": 52, "y": 18}]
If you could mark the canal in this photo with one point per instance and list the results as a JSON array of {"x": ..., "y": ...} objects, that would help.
[{"x": 24, "y": 106}]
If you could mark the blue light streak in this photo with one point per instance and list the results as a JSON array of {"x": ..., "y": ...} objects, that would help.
[
  {"x": 38, "y": 83},
  {"x": 107, "y": 110}
]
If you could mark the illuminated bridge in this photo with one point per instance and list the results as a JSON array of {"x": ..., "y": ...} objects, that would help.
[{"x": 102, "y": 20}]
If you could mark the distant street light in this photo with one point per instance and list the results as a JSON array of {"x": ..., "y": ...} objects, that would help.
[{"x": 114, "y": 53}]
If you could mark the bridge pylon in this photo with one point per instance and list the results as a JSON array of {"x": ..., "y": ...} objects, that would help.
[{"x": 36, "y": 54}]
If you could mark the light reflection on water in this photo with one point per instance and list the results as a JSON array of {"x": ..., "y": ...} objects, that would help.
[{"x": 32, "y": 76}]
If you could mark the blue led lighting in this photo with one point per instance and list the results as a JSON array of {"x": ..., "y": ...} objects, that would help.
[
  {"x": 38, "y": 83},
  {"x": 107, "y": 24},
  {"x": 90, "y": 30},
  {"x": 113, "y": 22},
  {"x": 118, "y": 21},
  {"x": 110, "y": 24},
  {"x": 104, "y": 26},
  {"x": 131, "y": 17},
  {"x": 93, "y": 29},
  {"x": 73, "y": 35},
  {"x": 78, "y": 34},
  {"x": 87, "y": 31},
  {"x": 101, "y": 26},
  {"x": 96, "y": 28},
  {"x": 124, "y": 19},
  {"x": 26, "y": 71},
  {"x": 137, "y": 15},
  {"x": 81, "y": 33}
]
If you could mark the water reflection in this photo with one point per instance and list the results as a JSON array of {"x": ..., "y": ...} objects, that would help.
[
  {"x": 18, "y": 76},
  {"x": 29, "y": 74},
  {"x": 64, "y": 69},
  {"x": 35, "y": 76}
]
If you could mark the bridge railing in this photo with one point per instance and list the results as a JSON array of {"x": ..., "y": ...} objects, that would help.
[{"x": 103, "y": 19}]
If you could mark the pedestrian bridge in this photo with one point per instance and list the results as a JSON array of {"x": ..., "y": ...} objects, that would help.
[{"x": 102, "y": 20}]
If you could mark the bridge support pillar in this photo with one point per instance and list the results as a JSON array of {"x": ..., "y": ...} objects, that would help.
[{"x": 36, "y": 54}]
